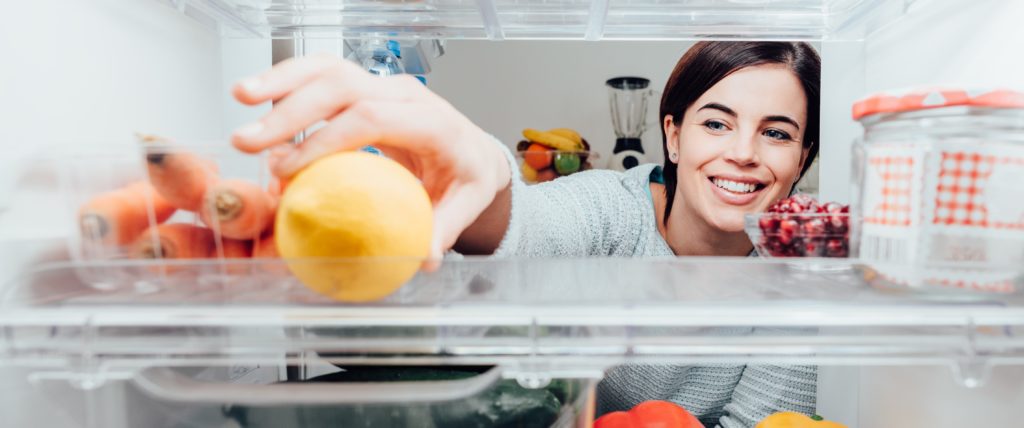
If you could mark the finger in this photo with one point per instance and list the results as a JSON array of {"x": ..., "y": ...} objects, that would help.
[
  {"x": 276, "y": 154},
  {"x": 453, "y": 213},
  {"x": 320, "y": 99},
  {"x": 288, "y": 75},
  {"x": 387, "y": 123}
]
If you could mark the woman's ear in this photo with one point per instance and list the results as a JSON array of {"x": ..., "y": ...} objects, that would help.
[{"x": 671, "y": 138}]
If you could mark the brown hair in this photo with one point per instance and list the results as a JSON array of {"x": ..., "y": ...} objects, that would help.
[{"x": 706, "y": 63}]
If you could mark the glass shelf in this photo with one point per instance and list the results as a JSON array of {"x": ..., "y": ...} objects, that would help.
[
  {"x": 548, "y": 19},
  {"x": 566, "y": 318}
]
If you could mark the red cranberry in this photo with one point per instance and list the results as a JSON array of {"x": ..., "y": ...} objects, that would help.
[
  {"x": 814, "y": 227},
  {"x": 815, "y": 247},
  {"x": 787, "y": 229},
  {"x": 838, "y": 224},
  {"x": 804, "y": 203},
  {"x": 832, "y": 207},
  {"x": 768, "y": 223},
  {"x": 835, "y": 248},
  {"x": 803, "y": 227}
]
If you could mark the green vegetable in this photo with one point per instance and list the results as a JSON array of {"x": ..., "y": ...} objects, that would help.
[{"x": 506, "y": 404}]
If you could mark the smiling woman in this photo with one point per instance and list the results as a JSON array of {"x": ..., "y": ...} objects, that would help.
[{"x": 740, "y": 126}]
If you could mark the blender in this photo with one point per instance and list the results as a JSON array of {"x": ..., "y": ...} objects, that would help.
[{"x": 628, "y": 98}]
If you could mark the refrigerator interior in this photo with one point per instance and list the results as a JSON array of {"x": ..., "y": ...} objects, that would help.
[{"x": 91, "y": 73}]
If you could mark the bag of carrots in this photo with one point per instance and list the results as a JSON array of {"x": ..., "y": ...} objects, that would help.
[{"x": 236, "y": 215}]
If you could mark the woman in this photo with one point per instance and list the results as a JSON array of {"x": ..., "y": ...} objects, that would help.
[{"x": 739, "y": 126}]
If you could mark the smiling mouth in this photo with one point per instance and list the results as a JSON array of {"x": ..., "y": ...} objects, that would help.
[{"x": 737, "y": 187}]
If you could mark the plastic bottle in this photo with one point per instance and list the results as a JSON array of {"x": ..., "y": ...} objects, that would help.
[{"x": 380, "y": 57}]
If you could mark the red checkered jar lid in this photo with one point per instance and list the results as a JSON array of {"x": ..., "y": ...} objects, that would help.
[{"x": 934, "y": 98}]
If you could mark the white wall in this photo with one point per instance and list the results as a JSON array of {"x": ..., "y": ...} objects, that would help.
[{"x": 510, "y": 85}]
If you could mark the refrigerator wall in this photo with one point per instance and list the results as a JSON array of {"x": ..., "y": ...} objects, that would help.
[
  {"x": 96, "y": 71},
  {"x": 92, "y": 73},
  {"x": 972, "y": 44}
]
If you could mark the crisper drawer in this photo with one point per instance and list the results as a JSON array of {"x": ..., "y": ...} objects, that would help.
[{"x": 312, "y": 395}]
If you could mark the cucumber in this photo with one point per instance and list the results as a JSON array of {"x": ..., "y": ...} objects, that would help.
[
  {"x": 506, "y": 404},
  {"x": 348, "y": 416}
]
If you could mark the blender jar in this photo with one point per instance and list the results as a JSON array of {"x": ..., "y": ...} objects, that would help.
[
  {"x": 627, "y": 99},
  {"x": 939, "y": 187}
]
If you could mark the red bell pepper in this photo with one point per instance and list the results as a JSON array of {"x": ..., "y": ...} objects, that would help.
[{"x": 650, "y": 414}]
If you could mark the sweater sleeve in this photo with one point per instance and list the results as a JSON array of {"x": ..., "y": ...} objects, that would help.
[
  {"x": 589, "y": 213},
  {"x": 766, "y": 389}
]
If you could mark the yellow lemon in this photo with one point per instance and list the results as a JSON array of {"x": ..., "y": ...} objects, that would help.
[{"x": 354, "y": 226}]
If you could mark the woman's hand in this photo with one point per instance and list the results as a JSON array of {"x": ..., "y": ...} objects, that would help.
[{"x": 460, "y": 168}]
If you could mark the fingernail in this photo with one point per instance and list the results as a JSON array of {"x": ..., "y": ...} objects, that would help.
[
  {"x": 251, "y": 130},
  {"x": 250, "y": 84}
]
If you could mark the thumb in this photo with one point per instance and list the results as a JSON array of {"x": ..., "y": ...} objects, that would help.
[
  {"x": 453, "y": 213},
  {"x": 433, "y": 261}
]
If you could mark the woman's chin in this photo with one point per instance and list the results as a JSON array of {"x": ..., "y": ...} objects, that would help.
[{"x": 729, "y": 222}]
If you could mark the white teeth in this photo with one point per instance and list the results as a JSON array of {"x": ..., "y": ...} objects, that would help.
[{"x": 735, "y": 187}]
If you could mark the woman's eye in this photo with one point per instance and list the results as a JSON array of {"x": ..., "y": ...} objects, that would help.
[
  {"x": 775, "y": 134},
  {"x": 715, "y": 125}
]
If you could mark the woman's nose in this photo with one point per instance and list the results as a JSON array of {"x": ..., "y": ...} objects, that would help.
[{"x": 743, "y": 150}]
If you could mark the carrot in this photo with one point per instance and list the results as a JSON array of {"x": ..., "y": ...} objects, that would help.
[
  {"x": 117, "y": 217},
  {"x": 237, "y": 209},
  {"x": 265, "y": 248},
  {"x": 175, "y": 241},
  {"x": 233, "y": 250},
  {"x": 181, "y": 177},
  {"x": 237, "y": 248}
]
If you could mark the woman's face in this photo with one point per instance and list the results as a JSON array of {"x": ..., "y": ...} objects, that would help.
[{"x": 739, "y": 147}]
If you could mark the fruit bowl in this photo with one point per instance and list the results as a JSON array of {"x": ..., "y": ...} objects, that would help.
[{"x": 538, "y": 166}]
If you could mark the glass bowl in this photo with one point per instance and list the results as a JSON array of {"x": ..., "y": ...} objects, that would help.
[
  {"x": 799, "y": 234},
  {"x": 538, "y": 166}
]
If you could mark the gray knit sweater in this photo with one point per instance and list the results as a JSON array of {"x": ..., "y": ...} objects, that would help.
[{"x": 606, "y": 213}]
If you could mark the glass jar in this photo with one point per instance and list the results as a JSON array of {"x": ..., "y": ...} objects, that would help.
[{"x": 939, "y": 189}]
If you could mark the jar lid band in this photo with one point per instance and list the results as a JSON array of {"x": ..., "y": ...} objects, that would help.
[{"x": 930, "y": 98}]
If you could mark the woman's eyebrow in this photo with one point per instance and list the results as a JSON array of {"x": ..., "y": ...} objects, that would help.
[
  {"x": 780, "y": 118},
  {"x": 719, "y": 107}
]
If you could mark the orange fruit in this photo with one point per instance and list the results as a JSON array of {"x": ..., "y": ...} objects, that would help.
[{"x": 538, "y": 156}]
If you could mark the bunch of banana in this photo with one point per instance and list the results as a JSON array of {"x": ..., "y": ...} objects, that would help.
[{"x": 552, "y": 153}]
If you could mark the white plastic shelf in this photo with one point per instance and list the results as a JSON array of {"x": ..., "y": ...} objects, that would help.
[{"x": 549, "y": 19}]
